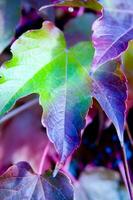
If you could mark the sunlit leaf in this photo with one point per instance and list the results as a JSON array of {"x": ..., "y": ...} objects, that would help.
[
  {"x": 42, "y": 64},
  {"x": 57, "y": 76}
]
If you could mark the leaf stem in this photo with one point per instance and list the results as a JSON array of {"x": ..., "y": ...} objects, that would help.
[
  {"x": 18, "y": 110},
  {"x": 129, "y": 133},
  {"x": 127, "y": 174},
  {"x": 46, "y": 149},
  {"x": 80, "y": 11},
  {"x": 101, "y": 122},
  {"x": 122, "y": 171}
]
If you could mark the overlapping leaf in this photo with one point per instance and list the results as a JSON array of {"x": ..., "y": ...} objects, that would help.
[
  {"x": 109, "y": 88},
  {"x": 91, "y": 4},
  {"x": 127, "y": 58},
  {"x": 20, "y": 182},
  {"x": 75, "y": 33},
  {"x": 113, "y": 30},
  {"x": 41, "y": 64},
  {"x": 9, "y": 16}
]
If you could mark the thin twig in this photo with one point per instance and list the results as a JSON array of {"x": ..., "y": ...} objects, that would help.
[
  {"x": 129, "y": 133},
  {"x": 129, "y": 184},
  {"x": 18, "y": 110},
  {"x": 40, "y": 171}
]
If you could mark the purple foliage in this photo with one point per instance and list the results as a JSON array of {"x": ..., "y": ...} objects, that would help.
[
  {"x": 109, "y": 88},
  {"x": 112, "y": 31},
  {"x": 20, "y": 182}
]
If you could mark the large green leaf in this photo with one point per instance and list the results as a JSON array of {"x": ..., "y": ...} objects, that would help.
[{"x": 42, "y": 64}]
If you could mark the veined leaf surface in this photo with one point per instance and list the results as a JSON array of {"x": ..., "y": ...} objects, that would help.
[
  {"x": 20, "y": 182},
  {"x": 42, "y": 64},
  {"x": 113, "y": 30}
]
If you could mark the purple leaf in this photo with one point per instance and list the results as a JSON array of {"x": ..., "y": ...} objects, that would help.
[
  {"x": 113, "y": 30},
  {"x": 20, "y": 182},
  {"x": 109, "y": 88}
]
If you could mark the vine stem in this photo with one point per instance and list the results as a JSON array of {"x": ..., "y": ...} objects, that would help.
[
  {"x": 46, "y": 149},
  {"x": 129, "y": 134},
  {"x": 18, "y": 110},
  {"x": 127, "y": 175}
]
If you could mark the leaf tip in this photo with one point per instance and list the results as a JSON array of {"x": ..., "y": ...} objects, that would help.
[
  {"x": 57, "y": 168},
  {"x": 48, "y": 25},
  {"x": 51, "y": 29}
]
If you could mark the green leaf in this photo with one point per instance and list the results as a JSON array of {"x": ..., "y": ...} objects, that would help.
[
  {"x": 23, "y": 73},
  {"x": 91, "y": 4},
  {"x": 41, "y": 64},
  {"x": 127, "y": 59},
  {"x": 9, "y": 16}
]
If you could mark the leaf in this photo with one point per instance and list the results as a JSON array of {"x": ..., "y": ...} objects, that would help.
[
  {"x": 127, "y": 59},
  {"x": 41, "y": 64},
  {"x": 109, "y": 88},
  {"x": 100, "y": 184},
  {"x": 75, "y": 33},
  {"x": 91, "y": 4},
  {"x": 9, "y": 16},
  {"x": 57, "y": 76},
  {"x": 67, "y": 115},
  {"x": 113, "y": 30},
  {"x": 20, "y": 182}
]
